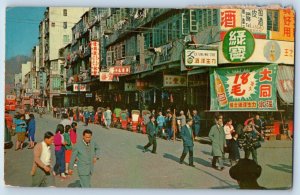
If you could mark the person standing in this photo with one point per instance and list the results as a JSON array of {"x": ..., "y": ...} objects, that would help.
[
  {"x": 60, "y": 166},
  {"x": 65, "y": 120},
  {"x": 71, "y": 115},
  {"x": 151, "y": 132},
  {"x": 86, "y": 117},
  {"x": 196, "y": 122},
  {"x": 160, "y": 123},
  {"x": 234, "y": 153},
  {"x": 73, "y": 134},
  {"x": 258, "y": 123},
  {"x": 77, "y": 115},
  {"x": 169, "y": 120},
  {"x": 68, "y": 147},
  {"x": 87, "y": 152},
  {"x": 217, "y": 137},
  {"x": 41, "y": 168},
  {"x": 228, "y": 130},
  {"x": 31, "y": 131},
  {"x": 188, "y": 143},
  {"x": 20, "y": 131},
  {"x": 107, "y": 116}
]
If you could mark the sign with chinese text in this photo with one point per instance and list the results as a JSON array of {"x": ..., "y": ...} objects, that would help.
[
  {"x": 244, "y": 88},
  {"x": 108, "y": 77},
  {"x": 141, "y": 84},
  {"x": 174, "y": 81},
  {"x": 75, "y": 87},
  {"x": 119, "y": 70},
  {"x": 195, "y": 57},
  {"x": 286, "y": 26},
  {"x": 238, "y": 45},
  {"x": 95, "y": 58},
  {"x": 268, "y": 51},
  {"x": 130, "y": 87},
  {"x": 230, "y": 18},
  {"x": 254, "y": 20}
]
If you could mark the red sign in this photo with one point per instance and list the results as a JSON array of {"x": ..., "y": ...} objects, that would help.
[
  {"x": 119, "y": 70},
  {"x": 95, "y": 58},
  {"x": 107, "y": 77}
]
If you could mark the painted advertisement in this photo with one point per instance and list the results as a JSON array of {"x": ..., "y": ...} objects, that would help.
[
  {"x": 197, "y": 57},
  {"x": 174, "y": 81},
  {"x": 244, "y": 88},
  {"x": 95, "y": 58}
]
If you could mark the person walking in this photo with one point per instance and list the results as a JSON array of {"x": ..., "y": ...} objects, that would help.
[
  {"x": 60, "y": 166},
  {"x": 68, "y": 147},
  {"x": 31, "y": 131},
  {"x": 77, "y": 115},
  {"x": 66, "y": 120},
  {"x": 86, "y": 117},
  {"x": 41, "y": 168},
  {"x": 233, "y": 146},
  {"x": 71, "y": 115},
  {"x": 217, "y": 137},
  {"x": 87, "y": 152},
  {"x": 20, "y": 131},
  {"x": 107, "y": 116},
  {"x": 151, "y": 132},
  {"x": 196, "y": 122},
  {"x": 160, "y": 124},
  {"x": 169, "y": 120},
  {"x": 188, "y": 143},
  {"x": 73, "y": 133}
]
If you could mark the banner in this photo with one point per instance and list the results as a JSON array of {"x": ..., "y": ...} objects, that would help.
[
  {"x": 243, "y": 88},
  {"x": 197, "y": 57},
  {"x": 107, "y": 77},
  {"x": 95, "y": 58},
  {"x": 119, "y": 70}
]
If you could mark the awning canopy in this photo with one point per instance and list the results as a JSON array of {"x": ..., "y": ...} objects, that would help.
[{"x": 285, "y": 83}]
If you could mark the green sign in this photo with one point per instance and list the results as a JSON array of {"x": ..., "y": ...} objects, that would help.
[
  {"x": 238, "y": 45},
  {"x": 243, "y": 88}
]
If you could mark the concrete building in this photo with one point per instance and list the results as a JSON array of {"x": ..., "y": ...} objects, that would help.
[{"x": 55, "y": 33}]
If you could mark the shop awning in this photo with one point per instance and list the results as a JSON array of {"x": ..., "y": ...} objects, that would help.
[{"x": 285, "y": 84}]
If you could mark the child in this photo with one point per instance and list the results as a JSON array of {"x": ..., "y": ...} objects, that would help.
[
  {"x": 234, "y": 153},
  {"x": 68, "y": 147}
]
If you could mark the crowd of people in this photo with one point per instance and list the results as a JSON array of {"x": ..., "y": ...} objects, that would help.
[{"x": 224, "y": 138}]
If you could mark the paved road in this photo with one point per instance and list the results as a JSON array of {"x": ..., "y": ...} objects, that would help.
[{"x": 124, "y": 165}]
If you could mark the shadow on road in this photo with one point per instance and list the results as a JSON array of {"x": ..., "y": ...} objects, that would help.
[
  {"x": 207, "y": 153},
  {"x": 140, "y": 147},
  {"x": 202, "y": 162},
  {"x": 282, "y": 167},
  {"x": 174, "y": 158},
  {"x": 76, "y": 184}
]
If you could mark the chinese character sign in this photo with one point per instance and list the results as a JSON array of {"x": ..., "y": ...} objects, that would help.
[
  {"x": 95, "y": 58},
  {"x": 254, "y": 20},
  {"x": 108, "y": 77},
  {"x": 244, "y": 88},
  {"x": 174, "y": 81},
  {"x": 195, "y": 57},
  {"x": 75, "y": 87},
  {"x": 238, "y": 45},
  {"x": 230, "y": 18},
  {"x": 119, "y": 70}
]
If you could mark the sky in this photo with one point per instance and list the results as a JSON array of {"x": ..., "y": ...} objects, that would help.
[{"x": 22, "y": 30}]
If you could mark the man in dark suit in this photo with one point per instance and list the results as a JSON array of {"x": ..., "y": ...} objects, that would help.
[
  {"x": 151, "y": 132},
  {"x": 188, "y": 143},
  {"x": 87, "y": 152}
]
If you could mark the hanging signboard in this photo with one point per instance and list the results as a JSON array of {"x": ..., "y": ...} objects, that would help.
[
  {"x": 119, "y": 70},
  {"x": 238, "y": 45},
  {"x": 254, "y": 20},
  {"x": 267, "y": 51},
  {"x": 75, "y": 87},
  {"x": 107, "y": 77},
  {"x": 194, "y": 57},
  {"x": 243, "y": 88},
  {"x": 130, "y": 87},
  {"x": 80, "y": 87},
  {"x": 230, "y": 18},
  {"x": 174, "y": 81},
  {"x": 95, "y": 58}
]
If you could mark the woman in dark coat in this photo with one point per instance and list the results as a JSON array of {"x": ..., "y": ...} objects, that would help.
[{"x": 31, "y": 131}]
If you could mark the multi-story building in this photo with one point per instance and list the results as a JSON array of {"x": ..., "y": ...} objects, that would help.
[
  {"x": 18, "y": 86},
  {"x": 55, "y": 33}
]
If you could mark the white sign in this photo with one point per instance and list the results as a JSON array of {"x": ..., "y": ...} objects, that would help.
[
  {"x": 108, "y": 77},
  {"x": 75, "y": 87},
  {"x": 195, "y": 57},
  {"x": 95, "y": 58},
  {"x": 268, "y": 51},
  {"x": 254, "y": 20},
  {"x": 174, "y": 81}
]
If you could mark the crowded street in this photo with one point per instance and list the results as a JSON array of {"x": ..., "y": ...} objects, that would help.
[{"x": 122, "y": 164}]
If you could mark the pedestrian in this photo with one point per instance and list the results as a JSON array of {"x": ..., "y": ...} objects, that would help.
[
  {"x": 251, "y": 140},
  {"x": 246, "y": 172},
  {"x": 20, "y": 131},
  {"x": 68, "y": 147},
  {"x": 71, "y": 115},
  {"x": 77, "y": 115},
  {"x": 196, "y": 122},
  {"x": 9, "y": 123},
  {"x": 169, "y": 120},
  {"x": 160, "y": 123},
  {"x": 107, "y": 116},
  {"x": 87, "y": 152},
  {"x": 258, "y": 123},
  {"x": 54, "y": 111},
  {"x": 217, "y": 137},
  {"x": 60, "y": 166},
  {"x": 65, "y": 121},
  {"x": 188, "y": 143},
  {"x": 41, "y": 168},
  {"x": 73, "y": 133},
  {"x": 86, "y": 117},
  {"x": 228, "y": 130},
  {"x": 233, "y": 146},
  {"x": 151, "y": 132},
  {"x": 182, "y": 119},
  {"x": 31, "y": 131}
]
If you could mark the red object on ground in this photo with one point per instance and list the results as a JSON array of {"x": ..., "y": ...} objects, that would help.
[
  {"x": 276, "y": 127},
  {"x": 291, "y": 126},
  {"x": 9, "y": 120}
]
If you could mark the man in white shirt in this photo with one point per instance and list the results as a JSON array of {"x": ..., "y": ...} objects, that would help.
[
  {"x": 41, "y": 169},
  {"x": 66, "y": 120}
]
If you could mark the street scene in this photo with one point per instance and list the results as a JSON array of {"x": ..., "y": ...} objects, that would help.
[{"x": 195, "y": 98}]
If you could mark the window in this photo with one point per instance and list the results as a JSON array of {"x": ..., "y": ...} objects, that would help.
[
  {"x": 207, "y": 17},
  {"x": 273, "y": 20},
  {"x": 170, "y": 31},
  {"x": 193, "y": 21},
  {"x": 52, "y": 24},
  {"x": 185, "y": 24},
  {"x": 65, "y": 25},
  {"x": 66, "y": 39},
  {"x": 65, "y": 12}
]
